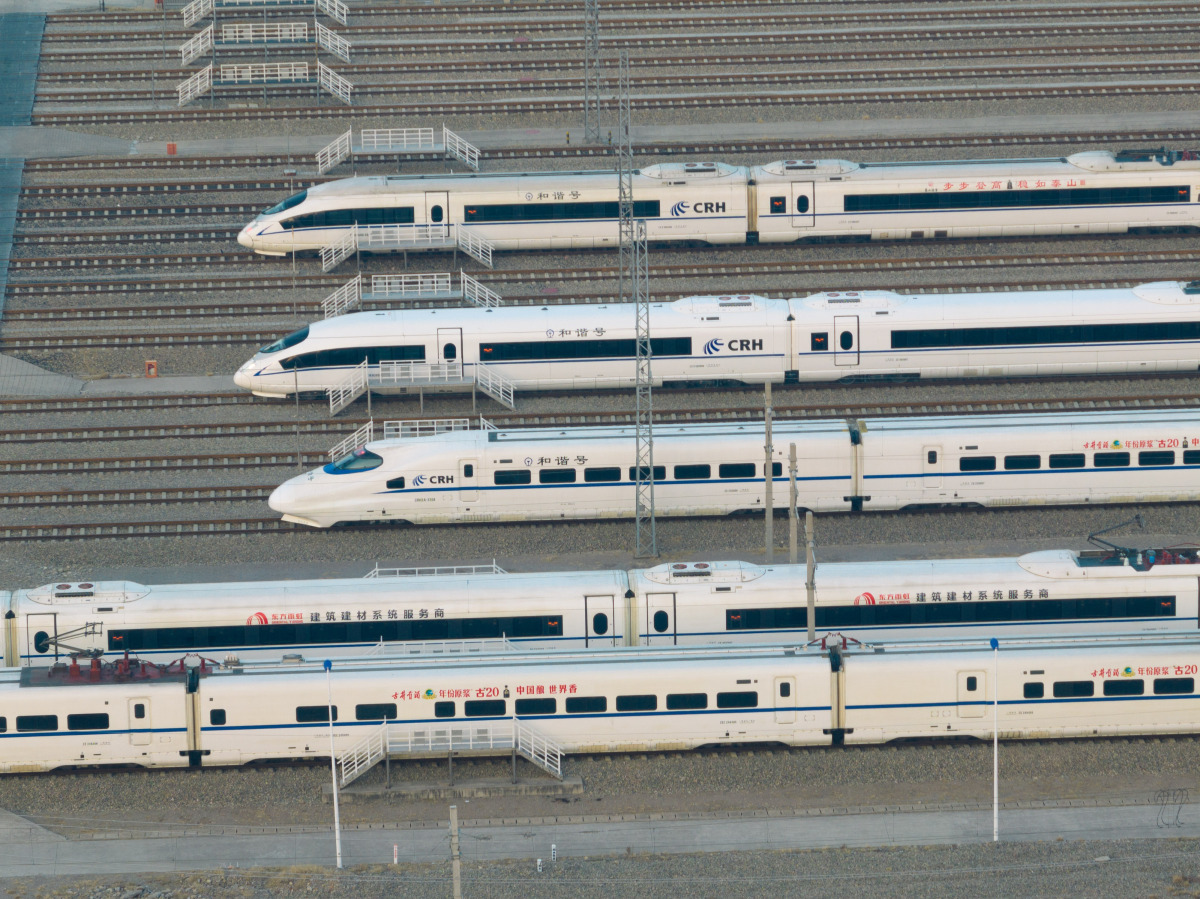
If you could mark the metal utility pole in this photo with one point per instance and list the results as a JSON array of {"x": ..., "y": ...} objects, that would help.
[
  {"x": 634, "y": 286},
  {"x": 591, "y": 72}
]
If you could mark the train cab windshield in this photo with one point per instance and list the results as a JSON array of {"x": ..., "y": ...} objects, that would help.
[
  {"x": 361, "y": 459},
  {"x": 284, "y": 342},
  {"x": 293, "y": 200}
]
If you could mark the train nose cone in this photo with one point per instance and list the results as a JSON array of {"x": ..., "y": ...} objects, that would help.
[
  {"x": 245, "y": 238},
  {"x": 283, "y": 498},
  {"x": 244, "y": 377}
]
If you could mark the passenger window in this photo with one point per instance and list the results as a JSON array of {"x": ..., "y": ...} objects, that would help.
[
  {"x": 1072, "y": 688},
  {"x": 396, "y": 484},
  {"x": 977, "y": 463},
  {"x": 660, "y": 473},
  {"x": 687, "y": 701},
  {"x": 41, "y": 641},
  {"x": 746, "y": 699},
  {"x": 601, "y": 475},
  {"x": 36, "y": 723},
  {"x": 578, "y": 705},
  {"x": 600, "y": 624},
  {"x": 641, "y": 703},
  {"x": 1124, "y": 687},
  {"x": 661, "y": 621},
  {"x": 485, "y": 708},
  {"x": 737, "y": 470},
  {"x": 820, "y": 342},
  {"x": 545, "y": 706},
  {"x": 216, "y": 717},
  {"x": 692, "y": 472},
  {"x": 1163, "y": 686},
  {"x": 1035, "y": 690},
  {"x": 846, "y": 340},
  {"x": 1111, "y": 460},
  {"x": 1191, "y": 457},
  {"x": 1067, "y": 460},
  {"x": 556, "y": 476},
  {"x": 308, "y": 714},
  {"x": 96, "y": 721},
  {"x": 1022, "y": 463},
  {"x": 778, "y": 205},
  {"x": 375, "y": 711},
  {"x": 3, "y": 724},
  {"x": 1157, "y": 457},
  {"x": 443, "y": 710},
  {"x": 511, "y": 477},
  {"x": 435, "y": 214},
  {"x": 802, "y": 204}
]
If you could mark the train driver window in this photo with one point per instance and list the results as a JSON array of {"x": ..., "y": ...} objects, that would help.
[
  {"x": 435, "y": 214},
  {"x": 820, "y": 342},
  {"x": 778, "y": 205},
  {"x": 396, "y": 483}
]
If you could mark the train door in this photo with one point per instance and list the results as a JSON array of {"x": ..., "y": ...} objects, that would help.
[
  {"x": 468, "y": 480},
  {"x": 972, "y": 694},
  {"x": 41, "y": 634},
  {"x": 931, "y": 468},
  {"x": 600, "y": 613},
  {"x": 660, "y": 620},
  {"x": 803, "y": 214},
  {"x": 139, "y": 721},
  {"x": 785, "y": 700},
  {"x": 449, "y": 344},
  {"x": 437, "y": 208},
  {"x": 845, "y": 340}
]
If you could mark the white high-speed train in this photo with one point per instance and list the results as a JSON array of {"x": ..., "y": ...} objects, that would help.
[
  {"x": 1093, "y": 192},
  {"x": 638, "y": 700},
  {"x": 822, "y": 337},
  {"x": 540, "y": 474},
  {"x": 680, "y": 603}
]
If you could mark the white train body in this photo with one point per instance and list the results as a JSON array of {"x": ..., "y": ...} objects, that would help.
[
  {"x": 640, "y": 700},
  {"x": 717, "y": 469},
  {"x": 738, "y": 603},
  {"x": 1093, "y": 192},
  {"x": 823, "y": 337}
]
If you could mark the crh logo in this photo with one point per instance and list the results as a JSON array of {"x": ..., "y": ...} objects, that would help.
[
  {"x": 433, "y": 479},
  {"x": 257, "y": 618},
  {"x": 864, "y": 599},
  {"x": 419, "y": 480},
  {"x": 713, "y": 346},
  {"x": 680, "y": 208}
]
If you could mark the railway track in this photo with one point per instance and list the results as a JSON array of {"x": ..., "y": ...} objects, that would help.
[
  {"x": 510, "y": 420},
  {"x": 642, "y": 62},
  {"x": 1183, "y": 89},
  {"x": 754, "y": 79},
  {"x": 496, "y": 279}
]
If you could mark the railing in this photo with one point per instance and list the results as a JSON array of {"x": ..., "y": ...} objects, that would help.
[
  {"x": 264, "y": 72},
  {"x": 333, "y": 254},
  {"x": 334, "y": 9},
  {"x": 538, "y": 748},
  {"x": 474, "y": 292},
  {"x": 438, "y": 571},
  {"x": 333, "y": 42},
  {"x": 361, "y": 437},
  {"x": 195, "y": 11},
  {"x": 349, "y": 390},
  {"x": 386, "y": 237},
  {"x": 196, "y": 46},
  {"x": 495, "y": 385},
  {"x": 459, "y": 148},
  {"x": 442, "y": 647},
  {"x": 397, "y": 139},
  {"x": 473, "y": 245},
  {"x": 400, "y": 286},
  {"x": 334, "y": 153},
  {"x": 198, "y": 84},
  {"x": 258, "y": 33},
  {"x": 362, "y": 756},
  {"x": 412, "y": 374},
  {"x": 347, "y": 296},
  {"x": 335, "y": 83},
  {"x": 425, "y": 427}
]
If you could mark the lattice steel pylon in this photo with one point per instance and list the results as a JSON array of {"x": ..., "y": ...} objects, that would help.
[
  {"x": 591, "y": 72},
  {"x": 634, "y": 287}
]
